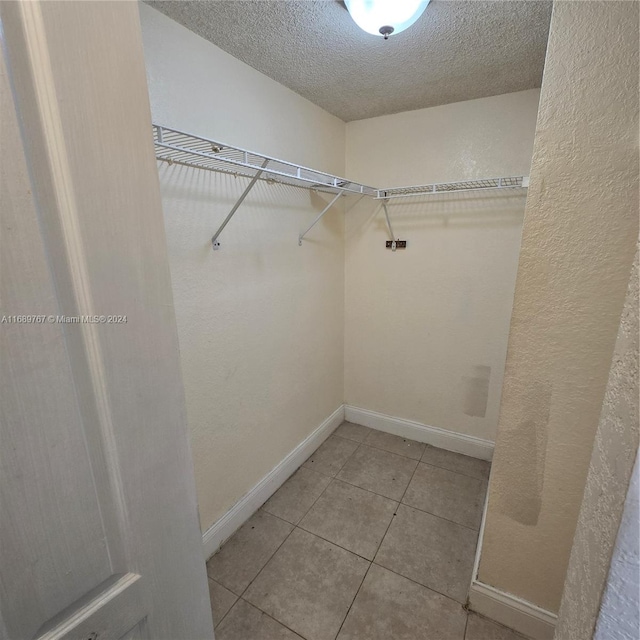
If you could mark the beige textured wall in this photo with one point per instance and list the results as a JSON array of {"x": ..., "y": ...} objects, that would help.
[
  {"x": 611, "y": 466},
  {"x": 426, "y": 328},
  {"x": 260, "y": 321},
  {"x": 579, "y": 236}
]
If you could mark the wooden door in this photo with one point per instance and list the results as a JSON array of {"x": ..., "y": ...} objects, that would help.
[{"x": 99, "y": 534}]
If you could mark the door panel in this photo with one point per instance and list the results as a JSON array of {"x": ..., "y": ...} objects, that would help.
[
  {"x": 99, "y": 537},
  {"x": 105, "y": 613},
  {"x": 53, "y": 546}
]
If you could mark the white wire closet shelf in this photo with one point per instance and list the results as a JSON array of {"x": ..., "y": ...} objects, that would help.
[
  {"x": 178, "y": 147},
  {"x": 485, "y": 184}
]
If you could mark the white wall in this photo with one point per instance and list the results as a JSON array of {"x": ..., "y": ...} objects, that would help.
[
  {"x": 578, "y": 243},
  {"x": 426, "y": 328},
  {"x": 601, "y": 516},
  {"x": 260, "y": 321},
  {"x": 619, "y": 615}
]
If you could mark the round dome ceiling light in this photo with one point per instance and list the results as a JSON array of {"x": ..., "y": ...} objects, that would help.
[{"x": 384, "y": 17}]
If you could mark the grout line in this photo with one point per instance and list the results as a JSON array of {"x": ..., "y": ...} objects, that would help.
[
  {"x": 337, "y": 435},
  {"x": 366, "y": 572},
  {"x": 404, "y": 504},
  {"x": 353, "y": 453},
  {"x": 217, "y": 624},
  {"x": 404, "y": 493},
  {"x": 367, "y": 490},
  {"x": 313, "y": 534},
  {"x": 294, "y": 527},
  {"x": 356, "y": 554},
  {"x": 362, "y": 444},
  {"x": 420, "y": 459},
  {"x": 393, "y": 453},
  {"x": 389, "y": 525},
  {"x": 332, "y": 479},
  {"x": 387, "y": 531},
  {"x": 399, "y": 574},
  {"x": 516, "y": 634},
  {"x": 346, "y": 615},
  {"x": 424, "y": 586},
  {"x": 460, "y": 473},
  {"x": 371, "y": 562},
  {"x": 435, "y": 515},
  {"x": 464, "y": 475},
  {"x": 340, "y": 469},
  {"x": 268, "y": 616},
  {"x": 335, "y": 544},
  {"x": 379, "y": 545},
  {"x": 373, "y": 446}
]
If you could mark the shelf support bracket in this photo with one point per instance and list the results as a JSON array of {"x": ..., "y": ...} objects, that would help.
[
  {"x": 318, "y": 218},
  {"x": 394, "y": 243},
  {"x": 386, "y": 215},
  {"x": 245, "y": 193}
]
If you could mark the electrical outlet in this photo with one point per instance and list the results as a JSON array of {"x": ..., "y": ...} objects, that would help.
[{"x": 396, "y": 244}]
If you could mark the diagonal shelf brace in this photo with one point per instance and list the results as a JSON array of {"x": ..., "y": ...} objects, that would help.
[
  {"x": 245, "y": 193},
  {"x": 319, "y": 217},
  {"x": 386, "y": 215},
  {"x": 186, "y": 149}
]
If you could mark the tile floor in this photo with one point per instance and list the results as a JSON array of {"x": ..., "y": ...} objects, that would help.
[{"x": 373, "y": 538}]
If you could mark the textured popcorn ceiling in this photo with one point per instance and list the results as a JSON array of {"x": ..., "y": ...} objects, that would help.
[{"x": 458, "y": 50}]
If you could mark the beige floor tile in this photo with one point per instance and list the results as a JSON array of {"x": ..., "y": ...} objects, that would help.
[
  {"x": 447, "y": 494},
  {"x": 352, "y": 431},
  {"x": 434, "y": 552},
  {"x": 457, "y": 462},
  {"x": 390, "y": 607},
  {"x": 351, "y": 518},
  {"x": 308, "y": 585},
  {"x": 479, "y": 628},
  {"x": 240, "y": 559},
  {"x": 331, "y": 455},
  {"x": 245, "y": 622},
  {"x": 382, "y": 472},
  {"x": 295, "y": 497},
  {"x": 221, "y": 601},
  {"x": 396, "y": 444}
]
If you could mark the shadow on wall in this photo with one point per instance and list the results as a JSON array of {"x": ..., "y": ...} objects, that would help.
[
  {"x": 218, "y": 192},
  {"x": 260, "y": 323},
  {"x": 446, "y": 210},
  {"x": 259, "y": 245}
]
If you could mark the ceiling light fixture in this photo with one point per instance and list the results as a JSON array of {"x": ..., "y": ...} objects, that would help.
[{"x": 384, "y": 17}]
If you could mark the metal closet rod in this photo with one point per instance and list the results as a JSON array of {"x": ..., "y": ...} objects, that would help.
[{"x": 179, "y": 147}]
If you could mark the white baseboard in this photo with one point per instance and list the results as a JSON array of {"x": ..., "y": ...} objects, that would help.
[
  {"x": 505, "y": 608},
  {"x": 231, "y": 521},
  {"x": 442, "y": 438},
  {"x": 511, "y": 611},
  {"x": 252, "y": 501}
]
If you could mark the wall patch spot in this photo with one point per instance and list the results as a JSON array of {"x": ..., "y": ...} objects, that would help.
[{"x": 475, "y": 391}]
